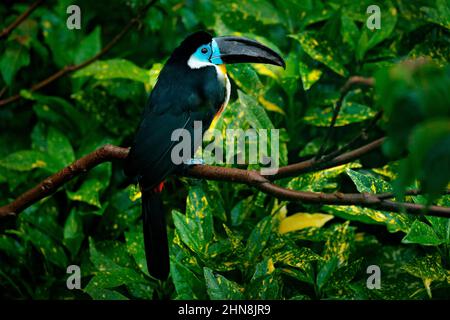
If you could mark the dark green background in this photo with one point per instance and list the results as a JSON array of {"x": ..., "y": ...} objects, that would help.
[{"x": 224, "y": 237}]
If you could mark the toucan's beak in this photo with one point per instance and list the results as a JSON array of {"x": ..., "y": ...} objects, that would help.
[{"x": 243, "y": 50}]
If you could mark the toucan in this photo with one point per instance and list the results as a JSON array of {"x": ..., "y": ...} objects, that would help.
[{"x": 192, "y": 86}]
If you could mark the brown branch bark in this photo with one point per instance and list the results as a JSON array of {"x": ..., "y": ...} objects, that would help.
[
  {"x": 251, "y": 178},
  {"x": 71, "y": 68},
  {"x": 6, "y": 31}
]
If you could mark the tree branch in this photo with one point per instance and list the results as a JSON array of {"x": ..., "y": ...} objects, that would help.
[
  {"x": 72, "y": 68},
  {"x": 251, "y": 178},
  {"x": 318, "y": 164},
  {"x": 52, "y": 183},
  {"x": 6, "y": 31}
]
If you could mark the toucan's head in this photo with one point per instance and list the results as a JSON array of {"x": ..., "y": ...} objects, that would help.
[{"x": 201, "y": 49}]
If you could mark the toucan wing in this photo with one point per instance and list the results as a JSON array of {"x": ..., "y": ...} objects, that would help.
[{"x": 150, "y": 156}]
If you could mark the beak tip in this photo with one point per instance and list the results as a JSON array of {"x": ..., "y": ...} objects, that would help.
[{"x": 281, "y": 63}]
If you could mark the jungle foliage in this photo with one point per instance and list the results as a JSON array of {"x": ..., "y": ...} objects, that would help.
[{"x": 228, "y": 241}]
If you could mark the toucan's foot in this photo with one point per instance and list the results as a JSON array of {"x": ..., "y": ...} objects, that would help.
[
  {"x": 194, "y": 161},
  {"x": 190, "y": 163}
]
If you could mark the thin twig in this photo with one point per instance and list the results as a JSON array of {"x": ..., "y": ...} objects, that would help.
[
  {"x": 361, "y": 136},
  {"x": 71, "y": 68},
  {"x": 6, "y": 31},
  {"x": 2, "y": 92},
  {"x": 318, "y": 164},
  {"x": 251, "y": 178},
  {"x": 352, "y": 81},
  {"x": 415, "y": 192}
]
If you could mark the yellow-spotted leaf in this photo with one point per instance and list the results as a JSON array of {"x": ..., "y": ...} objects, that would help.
[
  {"x": 25, "y": 160},
  {"x": 322, "y": 51},
  {"x": 220, "y": 288},
  {"x": 296, "y": 257},
  {"x": 188, "y": 284},
  {"x": 113, "y": 69},
  {"x": 300, "y": 221},
  {"x": 88, "y": 192},
  {"x": 270, "y": 106},
  {"x": 429, "y": 269},
  {"x": 309, "y": 74},
  {"x": 370, "y": 38},
  {"x": 258, "y": 238},
  {"x": 439, "y": 15},
  {"x": 135, "y": 247},
  {"x": 351, "y": 112}
]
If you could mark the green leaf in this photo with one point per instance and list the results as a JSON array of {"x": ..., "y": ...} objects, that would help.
[
  {"x": 58, "y": 37},
  {"x": 59, "y": 148},
  {"x": 422, "y": 233},
  {"x": 430, "y": 149},
  {"x": 220, "y": 288},
  {"x": 110, "y": 274},
  {"x": 441, "y": 226},
  {"x": 187, "y": 284},
  {"x": 429, "y": 269},
  {"x": 73, "y": 232},
  {"x": 296, "y": 257},
  {"x": 368, "y": 183},
  {"x": 439, "y": 15},
  {"x": 47, "y": 247},
  {"x": 338, "y": 245},
  {"x": 394, "y": 221},
  {"x": 258, "y": 238},
  {"x": 26, "y": 160},
  {"x": 438, "y": 51},
  {"x": 88, "y": 47},
  {"x": 339, "y": 285},
  {"x": 241, "y": 210},
  {"x": 349, "y": 31},
  {"x": 246, "y": 78},
  {"x": 310, "y": 74},
  {"x": 13, "y": 59},
  {"x": 187, "y": 230},
  {"x": 196, "y": 227},
  {"x": 255, "y": 115},
  {"x": 11, "y": 246},
  {"x": 88, "y": 193},
  {"x": 135, "y": 247},
  {"x": 268, "y": 287},
  {"x": 260, "y": 10},
  {"x": 102, "y": 294},
  {"x": 321, "y": 180},
  {"x": 370, "y": 38},
  {"x": 326, "y": 271},
  {"x": 96, "y": 181},
  {"x": 351, "y": 112},
  {"x": 113, "y": 69},
  {"x": 264, "y": 268},
  {"x": 322, "y": 51}
]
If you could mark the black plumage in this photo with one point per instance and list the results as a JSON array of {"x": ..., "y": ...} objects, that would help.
[
  {"x": 181, "y": 96},
  {"x": 186, "y": 91}
]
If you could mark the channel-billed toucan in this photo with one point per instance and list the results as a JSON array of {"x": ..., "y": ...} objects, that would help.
[{"x": 192, "y": 86}]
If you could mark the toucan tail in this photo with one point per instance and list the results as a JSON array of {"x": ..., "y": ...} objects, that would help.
[{"x": 155, "y": 235}]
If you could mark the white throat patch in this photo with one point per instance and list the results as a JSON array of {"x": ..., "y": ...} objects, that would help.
[{"x": 195, "y": 63}]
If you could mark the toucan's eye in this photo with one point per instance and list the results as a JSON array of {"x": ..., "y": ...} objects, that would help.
[{"x": 204, "y": 50}]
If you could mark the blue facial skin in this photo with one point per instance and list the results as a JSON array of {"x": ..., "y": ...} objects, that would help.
[
  {"x": 209, "y": 53},
  {"x": 215, "y": 57}
]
